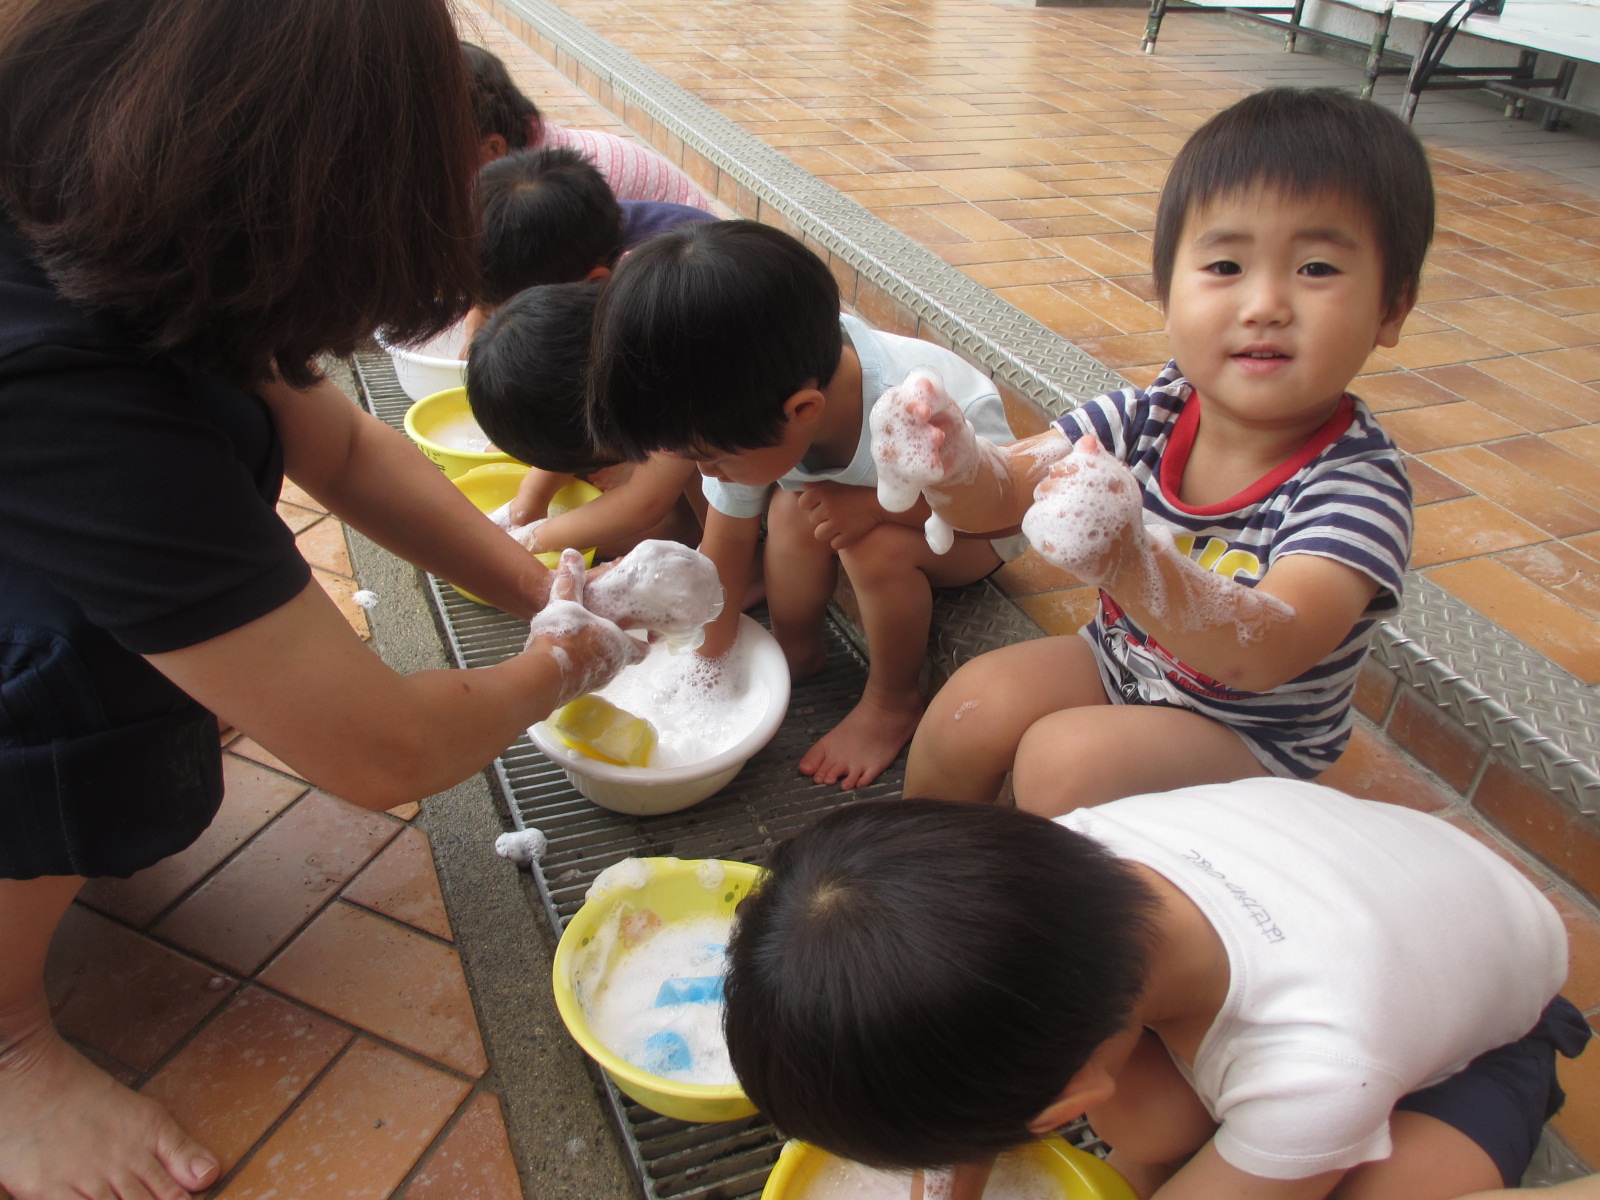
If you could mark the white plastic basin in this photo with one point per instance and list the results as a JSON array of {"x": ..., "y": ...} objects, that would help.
[
  {"x": 647, "y": 791},
  {"x": 435, "y": 366}
]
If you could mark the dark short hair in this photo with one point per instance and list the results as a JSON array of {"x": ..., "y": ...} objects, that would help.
[
  {"x": 1305, "y": 141},
  {"x": 498, "y": 105},
  {"x": 703, "y": 333},
  {"x": 526, "y": 372},
  {"x": 249, "y": 183},
  {"x": 916, "y": 980},
  {"x": 549, "y": 216}
]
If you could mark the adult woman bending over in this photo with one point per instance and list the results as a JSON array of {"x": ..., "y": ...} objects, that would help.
[{"x": 198, "y": 197}]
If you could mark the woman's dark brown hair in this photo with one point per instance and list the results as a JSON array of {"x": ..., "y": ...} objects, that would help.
[{"x": 249, "y": 182}]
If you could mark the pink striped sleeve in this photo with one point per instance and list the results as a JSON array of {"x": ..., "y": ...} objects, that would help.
[{"x": 634, "y": 171}]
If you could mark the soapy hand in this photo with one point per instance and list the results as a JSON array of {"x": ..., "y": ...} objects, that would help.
[
  {"x": 1087, "y": 512},
  {"x": 588, "y": 649},
  {"x": 661, "y": 586},
  {"x": 920, "y": 439}
]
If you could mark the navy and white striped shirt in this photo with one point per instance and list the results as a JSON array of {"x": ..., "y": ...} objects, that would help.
[{"x": 1343, "y": 496}]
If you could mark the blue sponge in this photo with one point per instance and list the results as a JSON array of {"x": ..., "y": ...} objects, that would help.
[
  {"x": 666, "y": 1052},
  {"x": 705, "y": 990}
]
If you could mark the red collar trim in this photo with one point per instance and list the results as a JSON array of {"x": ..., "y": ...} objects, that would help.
[{"x": 1181, "y": 443}]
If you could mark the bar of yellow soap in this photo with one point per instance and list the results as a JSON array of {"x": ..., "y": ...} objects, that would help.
[{"x": 599, "y": 729}]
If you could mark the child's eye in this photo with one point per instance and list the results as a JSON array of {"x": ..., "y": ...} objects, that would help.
[
  {"x": 1318, "y": 270},
  {"x": 1222, "y": 266}
]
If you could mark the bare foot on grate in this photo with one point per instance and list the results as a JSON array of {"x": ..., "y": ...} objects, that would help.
[
  {"x": 858, "y": 749},
  {"x": 67, "y": 1129}
]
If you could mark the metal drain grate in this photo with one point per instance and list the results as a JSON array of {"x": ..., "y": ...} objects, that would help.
[{"x": 768, "y": 800}]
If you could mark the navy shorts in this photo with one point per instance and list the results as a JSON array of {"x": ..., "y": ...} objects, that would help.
[
  {"x": 1505, "y": 1095},
  {"x": 105, "y": 766}
]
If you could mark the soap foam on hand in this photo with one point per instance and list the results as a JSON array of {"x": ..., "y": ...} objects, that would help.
[
  {"x": 908, "y": 449},
  {"x": 659, "y": 1006},
  {"x": 661, "y": 586}
]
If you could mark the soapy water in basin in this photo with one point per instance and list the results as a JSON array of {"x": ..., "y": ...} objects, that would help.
[
  {"x": 659, "y": 1003},
  {"x": 699, "y": 706},
  {"x": 1013, "y": 1178},
  {"x": 461, "y": 433}
]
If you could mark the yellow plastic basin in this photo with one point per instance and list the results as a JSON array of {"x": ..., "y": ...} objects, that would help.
[
  {"x": 674, "y": 891},
  {"x": 429, "y": 422},
  {"x": 494, "y": 484},
  {"x": 1081, "y": 1176}
]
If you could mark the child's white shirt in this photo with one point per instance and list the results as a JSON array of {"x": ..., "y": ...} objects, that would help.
[
  {"x": 886, "y": 360},
  {"x": 1374, "y": 951}
]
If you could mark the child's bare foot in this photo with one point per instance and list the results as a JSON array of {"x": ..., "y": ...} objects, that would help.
[
  {"x": 67, "y": 1129},
  {"x": 858, "y": 749}
]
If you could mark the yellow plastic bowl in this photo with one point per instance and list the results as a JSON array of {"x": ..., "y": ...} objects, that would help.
[
  {"x": 674, "y": 891},
  {"x": 1081, "y": 1176},
  {"x": 428, "y": 417},
  {"x": 494, "y": 484}
]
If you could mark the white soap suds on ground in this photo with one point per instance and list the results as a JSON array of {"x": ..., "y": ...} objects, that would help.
[
  {"x": 524, "y": 847},
  {"x": 661, "y": 586},
  {"x": 1013, "y": 1178},
  {"x": 1086, "y": 505},
  {"x": 367, "y": 600},
  {"x": 699, "y": 706},
  {"x": 631, "y": 1013}
]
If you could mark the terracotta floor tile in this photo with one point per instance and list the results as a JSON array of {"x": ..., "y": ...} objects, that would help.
[
  {"x": 342, "y": 591},
  {"x": 1579, "y": 1120},
  {"x": 1030, "y": 574},
  {"x": 1104, "y": 260},
  {"x": 1370, "y": 769},
  {"x": 253, "y": 796},
  {"x": 401, "y": 882},
  {"x": 123, "y": 994},
  {"x": 1115, "y": 304},
  {"x": 1403, "y": 389},
  {"x": 1498, "y": 397},
  {"x": 1428, "y": 486},
  {"x": 1546, "y": 507},
  {"x": 1561, "y": 570},
  {"x": 1509, "y": 336},
  {"x": 1547, "y": 459},
  {"x": 364, "y": 1125},
  {"x": 1418, "y": 430},
  {"x": 1530, "y": 377},
  {"x": 1434, "y": 739},
  {"x": 1130, "y": 350},
  {"x": 961, "y": 254},
  {"x": 1375, "y": 690},
  {"x": 472, "y": 1161},
  {"x": 1561, "y": 633},
  {"x": 1583, "y": 442},
  {"x": 1568, "y": 301},
  {"x": 244, "y": 1070},
  {"x": 1583, "y": 952},
  {"x": 293, "y": 493},
  {"x": 1063, "y": 612},
  {"x": 1444, "y": 285},
  {"x": 1466, "y": 528},
  {"x": 1588, "y": 544},
  {"x": 1026, "y": 272},
  {"x": 254, "y": 904},
  {"x": 1436, "y": 349},
  {"x": 253, "y": 750},
  {"x": 1051, "y": 307},
  {"x": 1504, "y": 847},
  {"x": 323, "y": 545},
  {"x": 386, "y": 978},
  {"x": 297, "y": 518},
  {"x": 1582, "y": 365}
]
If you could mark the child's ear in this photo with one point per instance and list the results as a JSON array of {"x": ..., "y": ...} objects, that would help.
[
  {"x": 1389, "y": 331},
  {"x": 491, "y": 147},
  {"x": 598, "y": 275},
  {"x": 805, "y": 407},
  {"x": 1090, "y": 1087}
]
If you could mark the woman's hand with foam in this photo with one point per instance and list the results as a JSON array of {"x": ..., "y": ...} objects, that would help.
[
  {"x": 1087, "y": 514},
  {"x": 920, "y": 439},
  {"x": 588, "y": 649},
  {"x": 661, "y": 586}
]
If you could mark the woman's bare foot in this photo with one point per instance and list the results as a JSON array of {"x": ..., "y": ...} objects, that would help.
[
  {"x": 858, "y": 749},
  {"x": 68, "y": 1130}
]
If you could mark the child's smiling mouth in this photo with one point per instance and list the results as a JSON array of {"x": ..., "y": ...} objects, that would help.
[{"x": 1260, "y": 359}]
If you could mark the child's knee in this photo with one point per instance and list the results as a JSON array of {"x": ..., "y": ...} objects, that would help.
[{"x": 886, "y": 550}]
